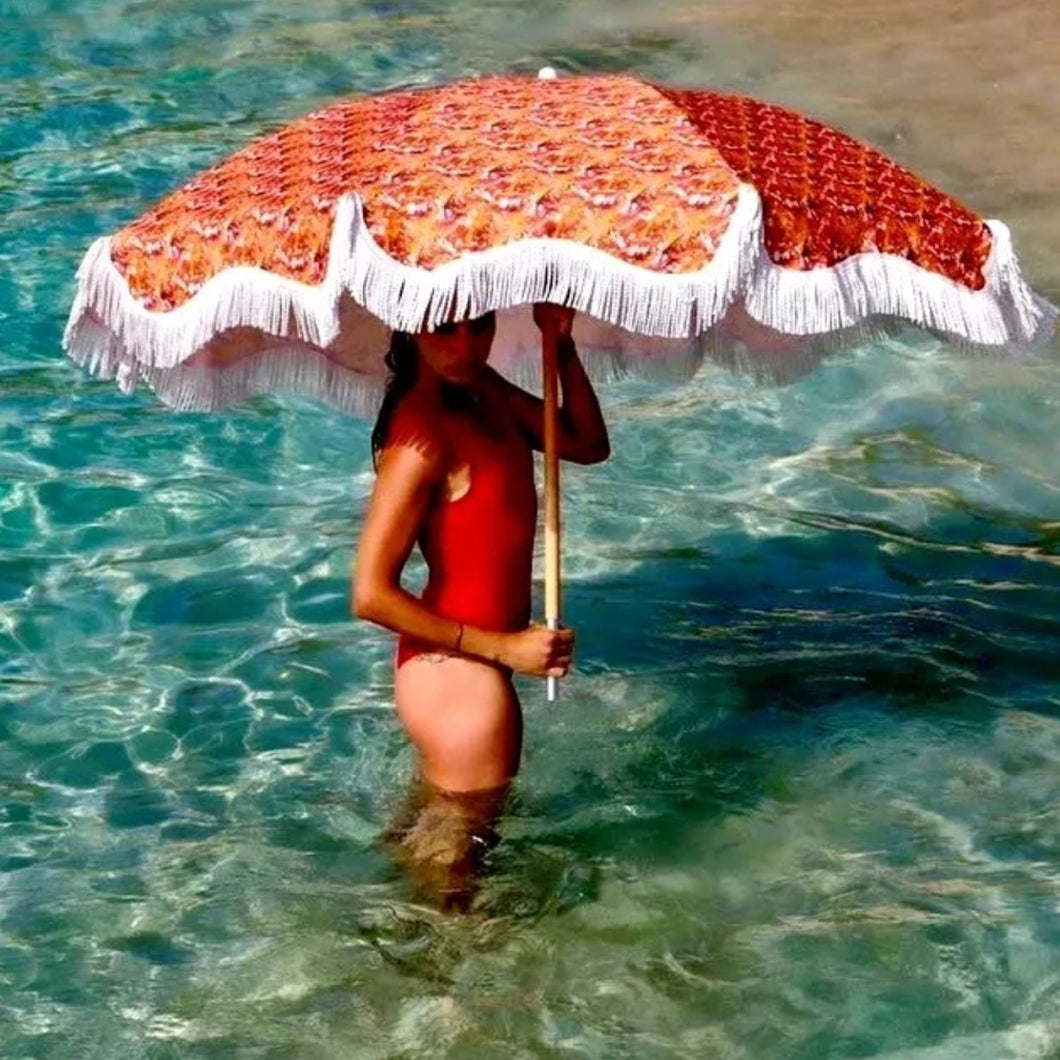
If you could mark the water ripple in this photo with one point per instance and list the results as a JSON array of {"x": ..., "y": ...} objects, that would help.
[{"x": 798, "y": 797}]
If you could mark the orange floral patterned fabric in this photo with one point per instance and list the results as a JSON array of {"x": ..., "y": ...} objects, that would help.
[
  {"x": 826, "y": 196},
  {"x": 605, "y": 161},
  {"x": 647, "y": 174}
]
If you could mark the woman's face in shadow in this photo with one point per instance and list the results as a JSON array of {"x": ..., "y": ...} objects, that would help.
[{"x": 456, "y": 351}]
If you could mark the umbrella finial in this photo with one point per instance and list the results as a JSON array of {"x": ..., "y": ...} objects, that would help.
[{"x": 547, "y": 73}]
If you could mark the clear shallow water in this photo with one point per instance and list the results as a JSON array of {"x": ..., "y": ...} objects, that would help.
[{"x": 799, "y": 800}]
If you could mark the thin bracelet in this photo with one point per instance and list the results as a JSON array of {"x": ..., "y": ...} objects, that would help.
[{"x": 459, "y": 637}]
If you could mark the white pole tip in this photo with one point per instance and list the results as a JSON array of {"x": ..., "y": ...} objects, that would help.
[{"x": 546, "y": 73}]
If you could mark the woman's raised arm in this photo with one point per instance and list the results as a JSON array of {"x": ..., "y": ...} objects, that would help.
[{"x": 582, "y": 432}]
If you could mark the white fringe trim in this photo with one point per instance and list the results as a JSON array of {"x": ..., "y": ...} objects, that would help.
[
  {"x": 409, "y": 299},
  {"x": 310, "y": 373},
  {"x": 187, "y": 388},
  {"x": 110, "y": 333},
  {"x": 557, "y": 270},
  {"x": 1006, "y": 312}
]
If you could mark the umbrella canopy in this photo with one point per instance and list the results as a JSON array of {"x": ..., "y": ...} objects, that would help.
[{"x": 667, "y": 217}]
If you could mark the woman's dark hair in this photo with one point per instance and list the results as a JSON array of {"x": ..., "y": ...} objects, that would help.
[{"x": 401, "y": 361}]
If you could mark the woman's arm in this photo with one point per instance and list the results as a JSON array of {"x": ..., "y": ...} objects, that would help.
[
  {"x": 406, "y": 478},
  {"x": 405, "y": 481},
  {"x": 582, "y": 432}
]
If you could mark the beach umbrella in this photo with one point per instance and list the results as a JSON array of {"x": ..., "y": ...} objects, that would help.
[{"x": 674, "y": 220}]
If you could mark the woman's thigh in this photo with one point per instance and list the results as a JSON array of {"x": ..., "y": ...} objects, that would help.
[{"x": 463, "y": 716}]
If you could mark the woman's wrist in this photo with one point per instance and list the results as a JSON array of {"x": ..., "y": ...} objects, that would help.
[{"x": 485, "y": 643}]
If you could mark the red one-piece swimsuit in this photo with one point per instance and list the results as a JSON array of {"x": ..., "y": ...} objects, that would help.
[{"x": 479, "y": 546}]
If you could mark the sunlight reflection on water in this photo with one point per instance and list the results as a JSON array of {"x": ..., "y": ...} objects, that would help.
[{"x": 797, "y": 800}]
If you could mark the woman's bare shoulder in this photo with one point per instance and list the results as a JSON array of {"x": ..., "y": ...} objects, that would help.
[{"x": 417, "y": 423}]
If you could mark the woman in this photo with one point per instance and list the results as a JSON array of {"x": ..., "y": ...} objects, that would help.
[{"x": 453, "y": 448}]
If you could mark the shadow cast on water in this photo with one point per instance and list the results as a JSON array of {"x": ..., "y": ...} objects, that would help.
[
  {"x": 757, "y": 638},
  {"x": 925, "y": 617}
]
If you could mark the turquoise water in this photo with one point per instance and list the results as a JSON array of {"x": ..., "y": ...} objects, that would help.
[{"x": 799, "y": 799}]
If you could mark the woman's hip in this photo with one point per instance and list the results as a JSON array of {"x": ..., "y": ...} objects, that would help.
[{"x": 464, "y": 718}]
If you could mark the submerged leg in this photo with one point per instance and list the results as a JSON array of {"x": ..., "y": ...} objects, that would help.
[
  {"x": 442, "y": 838},
  {"x": 464, "y": 718}
]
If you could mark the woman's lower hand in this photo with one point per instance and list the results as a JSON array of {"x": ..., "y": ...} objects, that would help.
[{"x": 538, "y": 650}]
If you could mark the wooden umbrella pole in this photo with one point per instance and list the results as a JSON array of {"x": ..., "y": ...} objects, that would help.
[{"x": 551, "y": 387}]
